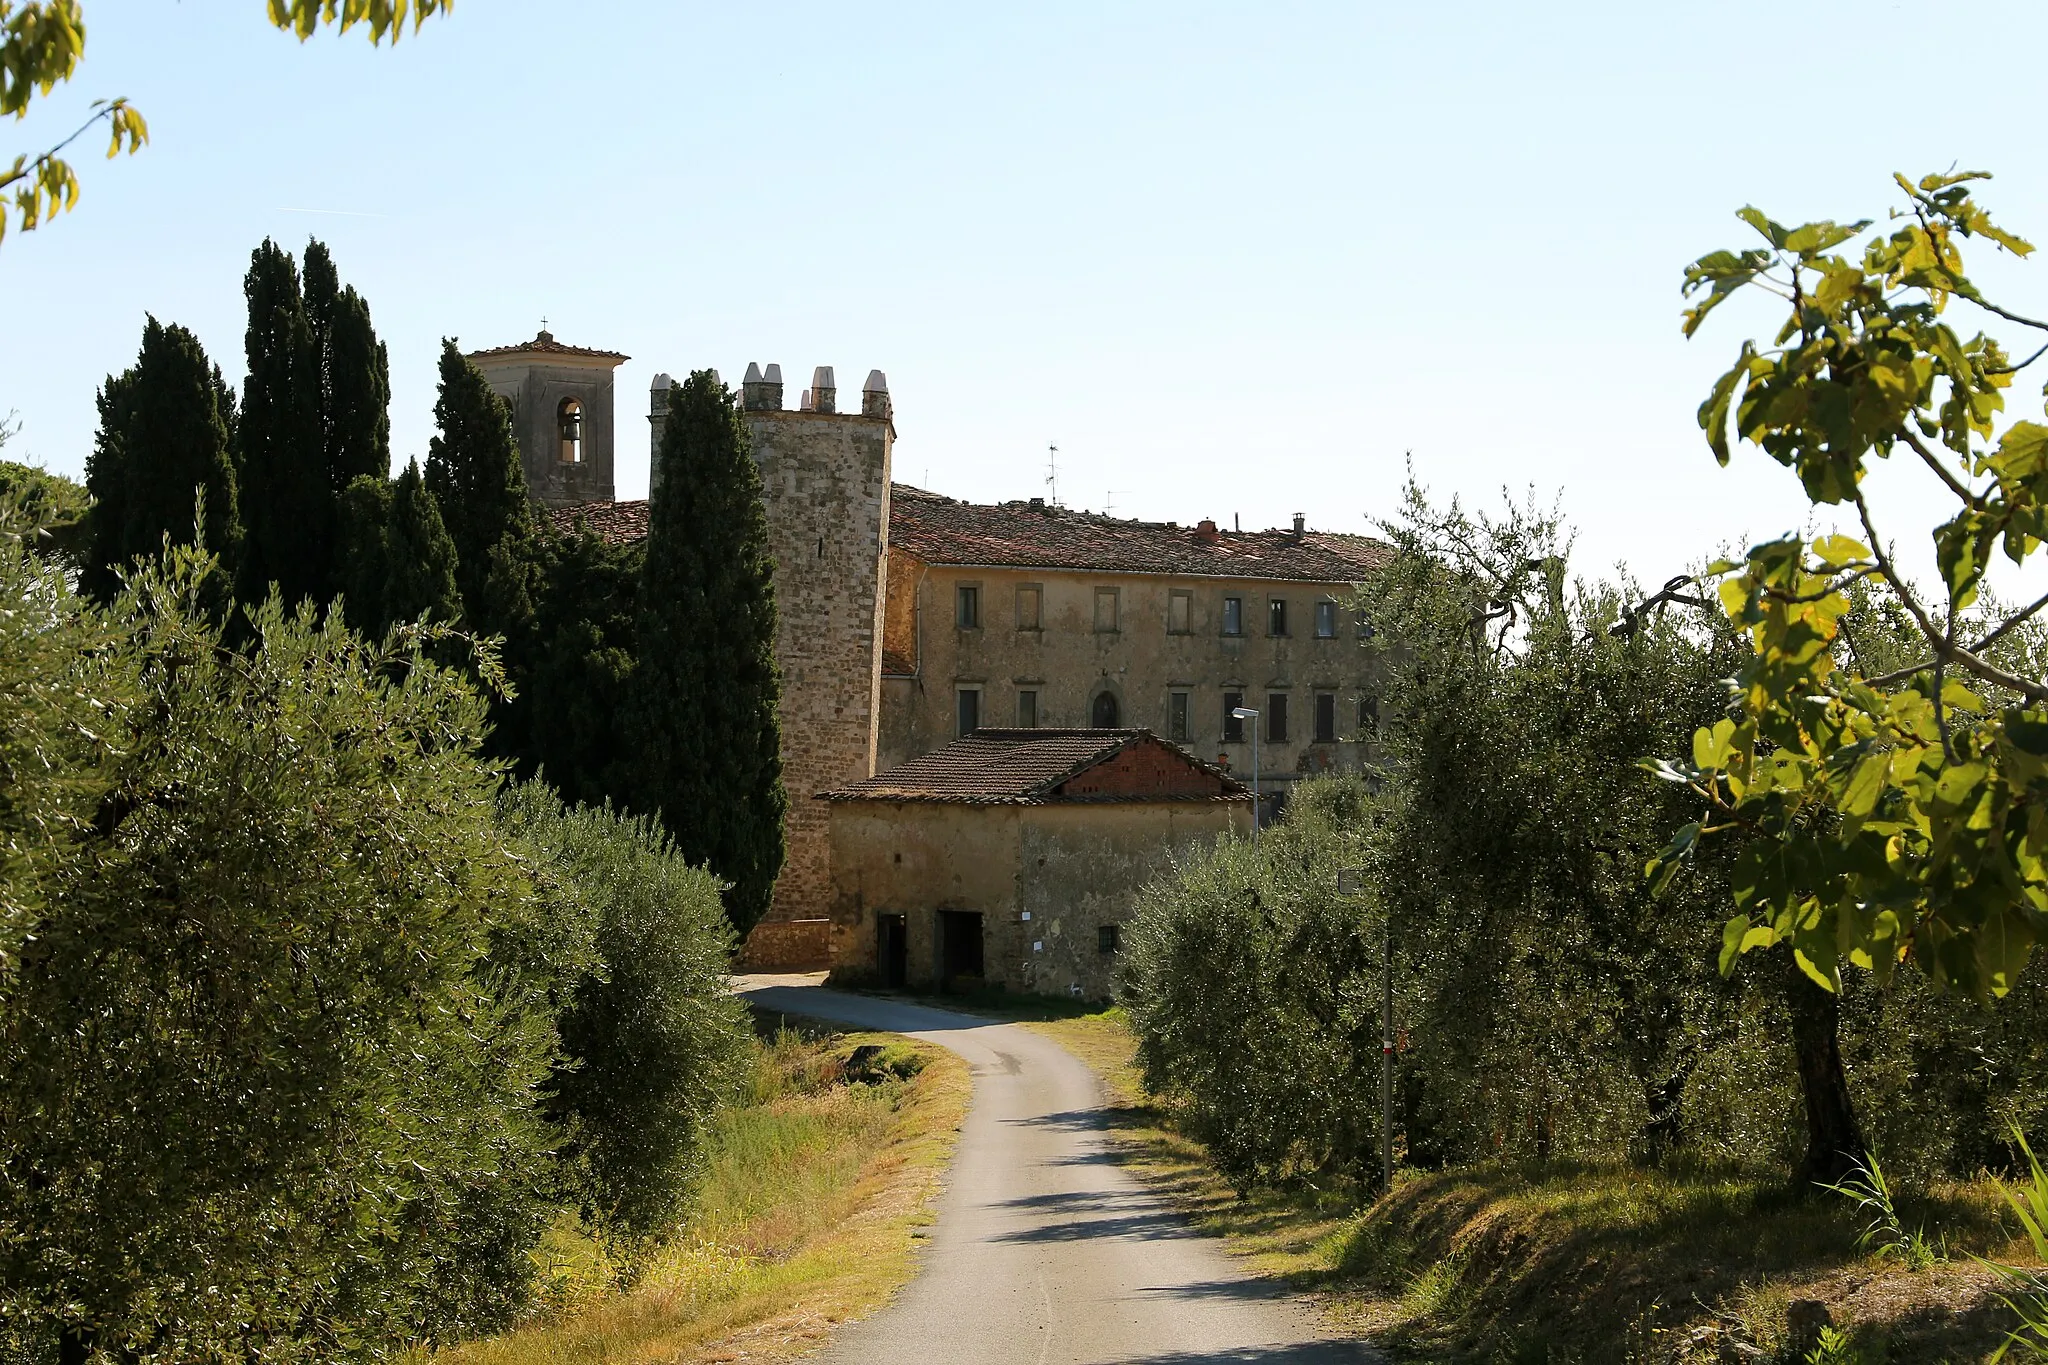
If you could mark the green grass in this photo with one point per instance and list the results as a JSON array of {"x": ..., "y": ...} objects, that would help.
[
  {"x": 811, "y": 1204},
  {"x": 1580, "y": 1263}
]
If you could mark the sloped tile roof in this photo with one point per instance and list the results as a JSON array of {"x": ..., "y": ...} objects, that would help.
[
  {"x": 1004, "y": 767},
  {"x": 897, "y": 665},
  {"x": 545, "y": 344},
  {"x": 619, "y": 523},
  {"x": 939, "y": 530}
]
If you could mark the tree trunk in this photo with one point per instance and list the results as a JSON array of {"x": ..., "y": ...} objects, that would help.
[{"x": 1834, "y": 1140}]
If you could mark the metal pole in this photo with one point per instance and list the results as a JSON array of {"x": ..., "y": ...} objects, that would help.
[
  {"x": 1255, "y": 785},
  {"x": 1386, "y": 1052}
]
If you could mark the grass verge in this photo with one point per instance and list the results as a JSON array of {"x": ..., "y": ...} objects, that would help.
[
  {"x": 1570, "y": 1263},
  {"x": 812, "y": 1204}
]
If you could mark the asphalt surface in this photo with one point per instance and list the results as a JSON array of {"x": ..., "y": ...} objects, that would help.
[{"x": 1045, "y": 1251}]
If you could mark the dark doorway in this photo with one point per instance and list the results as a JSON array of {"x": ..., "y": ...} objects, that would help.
[
  {"x": 894, "y": 950},
  {"x": 960, "y": 948},
  {"x": 1105, "y": 711}
]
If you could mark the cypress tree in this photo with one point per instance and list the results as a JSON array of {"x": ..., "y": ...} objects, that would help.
[
  {"x": 363, "y": 530},
  {"x": 288, "y": 500},
  {"x": 707, "y": 735},
  {"x": 164, "y": 433},
  {"x": 419, "y": 556},
  {"x": 474, "y": 473},
  {"x": 355, "y": 375},
  {"x": 583, "y": 677}
]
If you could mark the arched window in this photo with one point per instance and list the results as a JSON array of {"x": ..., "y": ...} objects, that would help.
[
  {"x": 1105, "y": 711},
  {"x": 569, "y": 421}
]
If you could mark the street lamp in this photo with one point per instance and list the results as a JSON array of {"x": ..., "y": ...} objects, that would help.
[{"x": 1246, "y": 713}]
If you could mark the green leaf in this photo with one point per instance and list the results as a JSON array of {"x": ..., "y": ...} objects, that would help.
[{"x": 1733, "y": 935}]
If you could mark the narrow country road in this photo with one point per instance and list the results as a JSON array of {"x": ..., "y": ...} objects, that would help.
[{"x": 1046, "y": 1252}]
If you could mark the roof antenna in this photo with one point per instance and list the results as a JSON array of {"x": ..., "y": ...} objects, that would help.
[
  {"x": 1109, "y": 501},
  {"x": 1236, "y": 523},
  {"x": 1052, "y": 475}
]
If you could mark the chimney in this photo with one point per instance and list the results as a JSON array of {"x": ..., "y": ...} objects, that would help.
[
  {"x": 762, "y": 392},
  {"x": 1300, "y": 525},
  {"x": 874, "y": 395},
  {"x": 657, "y": 418},
  {"x": 1038, "y": 504},
  {"x": 1205, "y": 533},
  {"x": 824, "y": 394},
  {"x": 804, "y": 404}
]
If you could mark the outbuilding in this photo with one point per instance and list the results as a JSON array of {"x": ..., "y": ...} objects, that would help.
[{"x": 1011, "y": 857}]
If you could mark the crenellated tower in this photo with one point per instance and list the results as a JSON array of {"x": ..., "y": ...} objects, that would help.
[{"x": 825, "y": 487}]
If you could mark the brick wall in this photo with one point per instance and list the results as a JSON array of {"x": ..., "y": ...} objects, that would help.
[
  {"x": 825, "y": 485},
  {"x": 1147, "y": 768}
]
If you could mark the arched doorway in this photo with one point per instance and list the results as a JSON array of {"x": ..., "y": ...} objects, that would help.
[{"x": 1105, "y": 711}]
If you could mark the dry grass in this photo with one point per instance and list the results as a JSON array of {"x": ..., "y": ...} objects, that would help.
[
  {"x": 1576, "y": 1263},
  {"x": 808, "y": 1217}
]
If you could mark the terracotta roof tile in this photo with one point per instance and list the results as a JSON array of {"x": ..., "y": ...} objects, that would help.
[
  {"x": 1002, "y": 767},
  {"x": 616, "y": 522},
  {"x": 897, "y": 665},
  {"x": 939, "y": 530},
  {"x": 546, "y": 344}
]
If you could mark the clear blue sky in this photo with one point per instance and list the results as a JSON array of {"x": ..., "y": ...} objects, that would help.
[{"x": 1234, "y": 260}]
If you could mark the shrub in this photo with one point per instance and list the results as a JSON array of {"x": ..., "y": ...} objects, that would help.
[{"x": 653, "y": 1040}]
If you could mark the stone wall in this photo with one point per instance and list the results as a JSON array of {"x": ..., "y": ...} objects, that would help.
[
  {"x": 1141, "y": 662},
  {"x": 825, "y": 485},
  {"x": 536, "y": 392},
  {"x": 1044, "y": 879}
]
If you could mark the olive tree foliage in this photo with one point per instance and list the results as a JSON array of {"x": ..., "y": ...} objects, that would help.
[
  {"x": 1894, "y": 814},
  {"x": 42, "y": 43},
  {"x": 653, "y": 1040},
  {"x": 1558, "y": 1007},
  {"x": 1249, "y": 983},
  {"x": 276, "y": 1019}
]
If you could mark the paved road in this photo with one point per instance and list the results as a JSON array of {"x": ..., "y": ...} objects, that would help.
[{"x": 1045, "y": 1251}]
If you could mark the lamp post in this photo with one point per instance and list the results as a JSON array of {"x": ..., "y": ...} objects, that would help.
[{"x": 1246, "y": 713}]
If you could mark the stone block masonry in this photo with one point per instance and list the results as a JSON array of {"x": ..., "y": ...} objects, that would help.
[{"x": 825, "y": 487}]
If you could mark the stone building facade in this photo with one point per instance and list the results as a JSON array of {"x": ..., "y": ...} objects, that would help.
[
  {"x": 1026, "y": 614},
  {"x": 561, "y": 398},
  {"x": 1011, "y": 857}
]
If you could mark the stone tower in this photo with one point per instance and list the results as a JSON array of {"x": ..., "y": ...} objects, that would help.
[
  {"x": 561, "y": 400},
  {"x": 825, "y": 486}
]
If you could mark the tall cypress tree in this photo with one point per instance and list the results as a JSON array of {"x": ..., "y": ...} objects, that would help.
[
  {"x": 355, "y": 375},
  {"x": 420, "y": 557},
  {"x": 165, "y": 425},
  {"x": 288, "y": 499},
  {"x": 707, "y": 733},
  {"x": 474, "y": 473}
]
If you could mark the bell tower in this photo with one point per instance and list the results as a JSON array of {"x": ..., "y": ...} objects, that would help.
[{"x": 561, "y": 398}]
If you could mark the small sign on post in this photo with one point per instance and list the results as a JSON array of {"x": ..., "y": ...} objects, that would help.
[{"x": 1350, "y": 881}]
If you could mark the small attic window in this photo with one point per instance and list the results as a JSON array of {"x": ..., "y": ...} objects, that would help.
[{"x": 569, "y": 422}]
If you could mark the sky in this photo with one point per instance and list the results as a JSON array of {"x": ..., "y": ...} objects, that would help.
[{"x": 1235, "y": 261}]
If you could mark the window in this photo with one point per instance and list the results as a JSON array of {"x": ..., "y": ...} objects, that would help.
[
  {"x": 1027, "y": 608},
  {"x": 970, "y": 710},
  {"x": 1368, "y": 714},
  {"x": 1177, "y": 715},
  {"x": 569, "y": 423},
  {"x": 1364, "y": 627},
  {"x": 1276, "y": 718},
  {"x": 1105, "y": 610},
  {"x": 1233, "y": 728},
  {"x": 1326, "y": 620},
  {"x": 1108, "y": 937},
  {"x": 1106, "y": 710},
  {"x": 1276, "y": 616},
  {"x": 1180, "y": 612},
  {"x": 967, "y": 607},
  {"x": 1027, "y": 709},
  {"x": 1233, "y": 616},
  {"x": 1326, "y": 717}
]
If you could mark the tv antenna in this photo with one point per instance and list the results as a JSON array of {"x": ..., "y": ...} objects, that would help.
[
  {"x": 1052, "y": 475},
  {"x": 1109, "y": 501}
]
